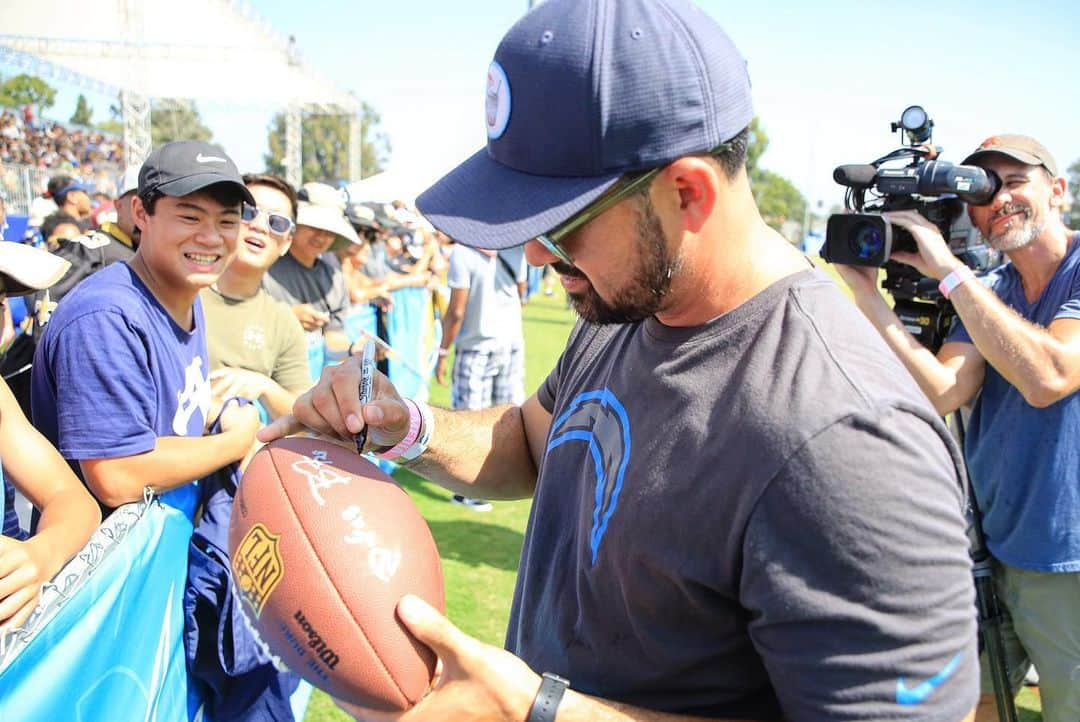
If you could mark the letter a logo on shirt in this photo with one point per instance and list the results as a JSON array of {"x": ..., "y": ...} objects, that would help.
[{"x": 194, "y": 397}]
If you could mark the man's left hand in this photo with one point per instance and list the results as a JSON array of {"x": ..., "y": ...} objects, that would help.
[
  {"x": 934, "y": 258},
  {"x": 478, "y": 681}
]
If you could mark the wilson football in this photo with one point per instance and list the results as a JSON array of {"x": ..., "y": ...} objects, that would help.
[{"x": 323, "y": 545}]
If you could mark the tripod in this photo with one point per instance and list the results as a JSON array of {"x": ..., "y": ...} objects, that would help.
[{"x": 986, "y": 600}]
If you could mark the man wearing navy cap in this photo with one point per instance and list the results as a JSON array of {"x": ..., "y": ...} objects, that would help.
[
  {"x": 743, "y": 507},
  {"x": 1014, "y": 355},
  {"x": 71, "y": 197},
  {"x": 112, "y": 242},
  {"x": 120, "y": 375}
]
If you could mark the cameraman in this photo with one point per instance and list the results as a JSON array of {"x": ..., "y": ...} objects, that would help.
[{"x": 1017, "y": 341}]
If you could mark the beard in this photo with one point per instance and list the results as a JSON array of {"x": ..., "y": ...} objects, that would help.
[
  {"x": 651, "y": 281},
  {"x": 1022, "y": 232}
]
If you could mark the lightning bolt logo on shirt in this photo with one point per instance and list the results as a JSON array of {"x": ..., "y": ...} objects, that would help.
[{"x": 598, "y": 420}]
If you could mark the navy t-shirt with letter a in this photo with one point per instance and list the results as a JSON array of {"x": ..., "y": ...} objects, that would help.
[{"x": 113, "y": 372}]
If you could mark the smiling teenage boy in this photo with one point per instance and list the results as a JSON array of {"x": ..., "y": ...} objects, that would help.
[{"x": 120, "y": 376}]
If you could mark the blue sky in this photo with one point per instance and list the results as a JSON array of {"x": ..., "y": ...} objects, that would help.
[{"x": 828, "y": 76}]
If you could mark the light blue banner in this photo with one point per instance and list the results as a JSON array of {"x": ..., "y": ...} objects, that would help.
[
  {"x": 109, "y": 644},
  {"x": 406, "y": 326}
]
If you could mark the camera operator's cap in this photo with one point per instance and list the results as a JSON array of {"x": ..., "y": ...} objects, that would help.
[
  {"x": 581, "y": 92},
  {"x": 25, "y": 269},
  {"x": 1023, "y": 148},
  {"x": 183, "y": 167}
]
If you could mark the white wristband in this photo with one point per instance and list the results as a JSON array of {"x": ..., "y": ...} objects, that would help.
[
  {"x": 961, "y": 275},
  {"x": 427, "y": 427}
]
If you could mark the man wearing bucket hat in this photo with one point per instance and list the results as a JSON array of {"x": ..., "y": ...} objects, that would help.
[
  {"x": 1015, "y": 355},
  {"x": 743, "y": 507},
  {"x": 120, "y": 374},
  {"x": 314, "y": 288}
]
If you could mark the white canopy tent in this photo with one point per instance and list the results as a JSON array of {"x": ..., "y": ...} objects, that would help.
[
  {"x": 391, "y": 185},
  {"x": 198, "y": 50}
]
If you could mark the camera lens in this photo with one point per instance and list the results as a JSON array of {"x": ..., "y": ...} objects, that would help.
[{"x": 865, "y": 241}]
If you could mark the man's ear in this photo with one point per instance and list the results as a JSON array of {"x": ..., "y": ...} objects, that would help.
[
  {"x": 139, "y": 214},
  {"x": 697, "y": 182},
  {"x": 1058, "y": 187}
]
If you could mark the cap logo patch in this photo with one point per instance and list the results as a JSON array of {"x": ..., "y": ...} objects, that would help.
[
  {"x": 200, "y": 158},
  {"x": 991, "y": 142},
  {"x": 496, "y": 101}
]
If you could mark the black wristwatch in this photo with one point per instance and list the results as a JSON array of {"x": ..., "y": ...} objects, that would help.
[{"x": 546, "y": 704}]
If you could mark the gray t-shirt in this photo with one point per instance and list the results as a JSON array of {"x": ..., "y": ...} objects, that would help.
[
  {"x": 493, "y": 311},
  {"x": 322, "y": 286},
  {"x": 754, "y": 517}
]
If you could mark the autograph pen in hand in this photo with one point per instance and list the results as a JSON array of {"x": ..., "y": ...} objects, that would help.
[{"x": 367, "y": 379}]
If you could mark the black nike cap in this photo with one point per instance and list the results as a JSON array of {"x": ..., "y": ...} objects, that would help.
[{"x": 183, "y": 167}]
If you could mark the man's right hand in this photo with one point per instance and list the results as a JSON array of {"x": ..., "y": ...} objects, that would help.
[
  {"x": 332, "y": 409},
  {"x": 310, "y": 318}
]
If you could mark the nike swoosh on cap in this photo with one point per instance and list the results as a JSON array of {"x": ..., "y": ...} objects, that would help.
[
  {"x": 200, "y": 158},
  {"x": 921, "y": 692}
]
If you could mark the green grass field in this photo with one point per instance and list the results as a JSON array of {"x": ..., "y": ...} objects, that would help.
[{"x": 480, "y": 550}]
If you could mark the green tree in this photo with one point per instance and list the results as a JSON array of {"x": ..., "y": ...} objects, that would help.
[
  {"x": 84, "y": 114},
  {"x": 1073, "y": 219},
  {"x": 27, "y": 90},
  {"x": 778, "y": 199},
  {"x": 759, "y": 141},
  {"x": 325, "y": 145},
  {"x": 171, "y": 120}
]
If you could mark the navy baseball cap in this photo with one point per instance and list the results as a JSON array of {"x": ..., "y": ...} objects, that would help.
[
  {"x": 183, "y": 167},
  {"x": 581, "y": 92}
]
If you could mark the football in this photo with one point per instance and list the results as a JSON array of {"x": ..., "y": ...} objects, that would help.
[{"x": 323, "y": 545}]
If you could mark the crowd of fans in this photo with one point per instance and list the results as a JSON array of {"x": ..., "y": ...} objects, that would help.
[{"x": 48, "y": 144}]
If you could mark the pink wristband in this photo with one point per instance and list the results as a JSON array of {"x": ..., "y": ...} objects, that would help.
[
  {"x": 963, "y": 274},
  {"x": 415, "y": 420}
]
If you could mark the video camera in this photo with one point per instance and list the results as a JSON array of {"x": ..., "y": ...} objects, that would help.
[{"x": 937, "y": 190}]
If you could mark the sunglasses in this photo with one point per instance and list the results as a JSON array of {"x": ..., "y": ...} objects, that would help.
[
  {"x": 277, "y": 223},
  {"x": 621, "y": 190}
]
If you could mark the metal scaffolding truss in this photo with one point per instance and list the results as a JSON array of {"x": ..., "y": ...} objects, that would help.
[
  {"x": 42, "y": 68},
  {"x": 148, "y": 64}
]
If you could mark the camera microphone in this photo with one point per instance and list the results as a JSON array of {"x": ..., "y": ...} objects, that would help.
[{"x": 855, "y": 176}]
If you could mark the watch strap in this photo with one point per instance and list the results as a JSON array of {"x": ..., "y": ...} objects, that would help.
[{"x": 546, "y": 702}]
